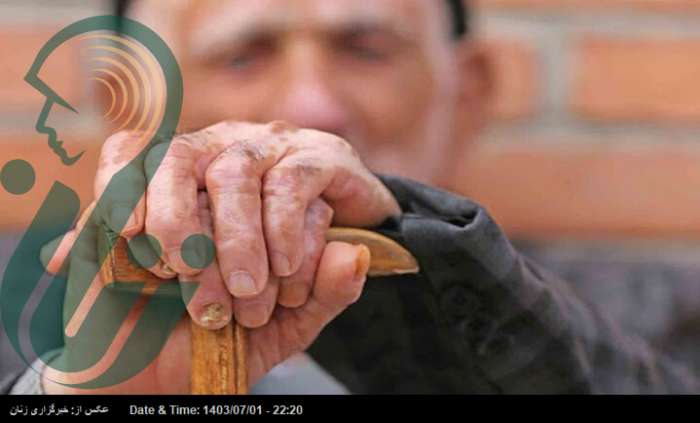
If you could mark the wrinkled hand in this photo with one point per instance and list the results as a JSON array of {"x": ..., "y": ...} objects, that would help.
[{"x": 271, "y": 193}]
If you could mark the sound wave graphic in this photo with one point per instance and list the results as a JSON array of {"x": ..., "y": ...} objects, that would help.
[{"x": 133, "y": 80}]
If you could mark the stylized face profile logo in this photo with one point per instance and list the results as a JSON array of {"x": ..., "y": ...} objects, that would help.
[
  {"x": 51, "y": 99},
  {"x": 140, "y": 74},
  {"x": 123, "y": 67}
]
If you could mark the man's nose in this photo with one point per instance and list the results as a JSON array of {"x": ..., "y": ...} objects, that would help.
[{"x": 310, "y": 101}]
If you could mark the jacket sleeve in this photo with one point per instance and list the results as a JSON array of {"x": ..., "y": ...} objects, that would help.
[
  {"x": 480, "y": 318},
  {"x": 8, "y": 381}
]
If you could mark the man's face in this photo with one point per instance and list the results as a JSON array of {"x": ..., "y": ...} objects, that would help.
[{"x": 383, "y": 74}]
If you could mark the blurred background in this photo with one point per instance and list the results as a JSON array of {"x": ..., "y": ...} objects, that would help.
[{"x": 591, "y": 164}]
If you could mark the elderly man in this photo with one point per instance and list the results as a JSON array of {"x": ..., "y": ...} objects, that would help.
[{"x": 389, "y": 86}]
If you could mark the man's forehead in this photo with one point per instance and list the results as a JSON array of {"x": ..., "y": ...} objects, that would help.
[
  {"x": 217, "y": 21},
  {"x": 207, "y": 22},
  {"x": 318, "y": 12}
]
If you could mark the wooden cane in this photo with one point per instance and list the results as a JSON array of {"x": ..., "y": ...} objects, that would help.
[{"x": 219, "y": 356}]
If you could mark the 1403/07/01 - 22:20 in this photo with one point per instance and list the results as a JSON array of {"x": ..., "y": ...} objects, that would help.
[{"x": 216, "y": 410}]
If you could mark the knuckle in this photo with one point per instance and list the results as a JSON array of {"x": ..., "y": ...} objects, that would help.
[
  {"x": 217, "y": 173},
  {"x": 194, "y": 139},
  {"x": 117, "y": 139},
  {"x": 115, "y": 148},
  {"x": 239, "y": 160},
  {"x": 345, "y": 149},
  {"x": 280, "y": 179},
  {"x": 306, "y": 168},
  {"x": 279, "y": 198},
  {"x": 221, "y": 180},
  {"x": 293, "y": 175},
  {"x": 230, "y": 125},
  {"x": 279, "y": 127},
  {"x": 337, "y": 143},
  {"x": 322, "y": 211},
  {"x": 184, "y": 145},
  {"x": 238, "y": 240},
  {"x": 247, "y": 152},
  {"x": 285, "y": 237}
]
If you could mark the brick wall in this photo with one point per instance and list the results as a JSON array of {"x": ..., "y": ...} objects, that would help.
[
  {"x": 596, "y": 122},
  {"x": 597, "y": 129}
]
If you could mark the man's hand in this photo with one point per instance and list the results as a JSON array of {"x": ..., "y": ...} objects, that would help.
[
  {"x": 270, "y": 193},
  {"x": 262, "y": 181}
]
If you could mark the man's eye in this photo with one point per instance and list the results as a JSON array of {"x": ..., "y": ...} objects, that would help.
[
  {"x": 367, "y": 52},
  {"x": 242, "y": 61},
  {"x": 251, "y": 54},
  {"x": 368, "y": 46}
]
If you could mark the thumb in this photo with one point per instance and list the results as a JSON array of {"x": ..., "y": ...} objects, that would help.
[
  {"x": 340, "y": 279},
  {"x": 341, "y": 275}
]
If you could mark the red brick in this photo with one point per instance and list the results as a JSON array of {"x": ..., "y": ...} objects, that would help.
[
  {"x": 19, "y": 46},
  {"x": 637, "y": 79},
  {"x": 550, "y": 192},
  {"x": 515, "y": 70},
  {"x": 532, "y": 190}
]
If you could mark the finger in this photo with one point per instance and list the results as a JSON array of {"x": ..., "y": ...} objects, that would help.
[
  {"x": 340, "y": 278},
  {"x": 146, "y": 253},
  {"x": 123, "y": 209},
  {"x": 233, "y": 182},
  {"x": 295, "y": 289},
  {"x": 288, "y": 189},
  {"x": 208, "y": 302},
  {"x": 255, "y": 312},
  {"x": 171, "y": 199},
  {"x": 210, "y": 305}
]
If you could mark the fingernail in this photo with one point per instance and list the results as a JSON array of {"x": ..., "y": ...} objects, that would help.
[
  {"x": 213, "y": 315},
  {"x": 297, "y": 295},
  {"x": 362, "y": 263},
  {"x": 241, "y": 284},
  {"x": 118, "y": 219},
  {"x": 255, "y": 315},
  {"x": 168, "y": 271},
  {"x": 281, "y": 264}
]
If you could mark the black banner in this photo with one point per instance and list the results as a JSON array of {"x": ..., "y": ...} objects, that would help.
[{"x": 342, "y": 407}]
